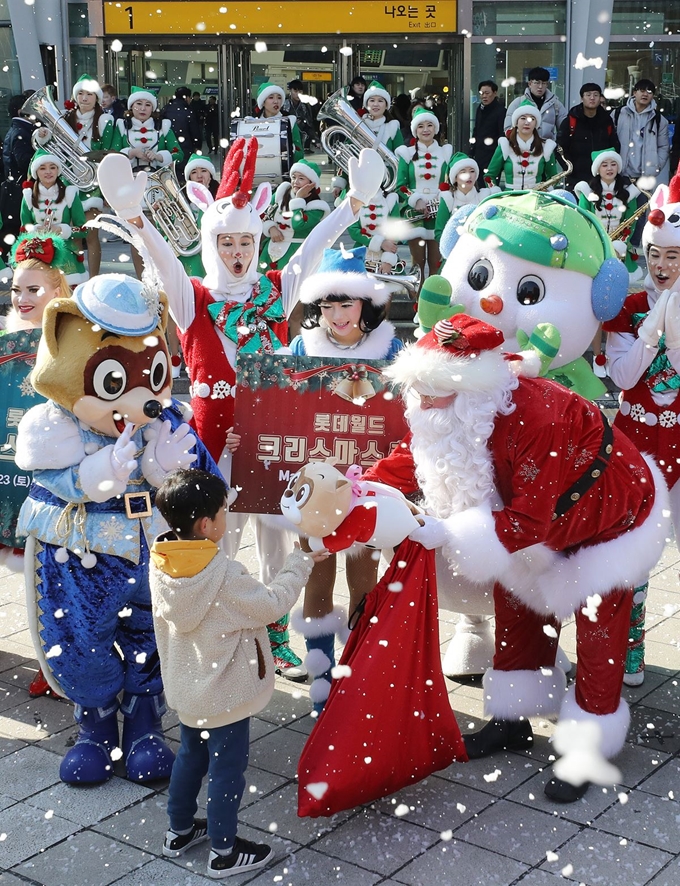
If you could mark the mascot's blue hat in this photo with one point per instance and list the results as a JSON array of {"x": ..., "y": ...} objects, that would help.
[{"x": 118, "y": 303}]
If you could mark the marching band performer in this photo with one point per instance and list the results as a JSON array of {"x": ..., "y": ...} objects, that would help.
[
  {"x": 200, "y": 169},
  {"x": 147, "y": 142},
  {"x": 422, "y": 169},
  {"x": 523, "y": 158},
  {"x": 377, "y": 101},
  {"x": 612, "y": 197},
  {"x": 462, "y": 191},
  {"x": 297, "y": 209},
  {"x": 270, "y": 99},
  {"x": 93, "y": 128},
  {"x": 52, "y": 207},
  {"x": 370, "y": 230}
]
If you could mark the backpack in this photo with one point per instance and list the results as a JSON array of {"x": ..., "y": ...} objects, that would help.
[{"x": 656, "y": 119}]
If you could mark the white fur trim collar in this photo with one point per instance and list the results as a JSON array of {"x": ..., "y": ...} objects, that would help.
[{"x": 375, "y": 346}]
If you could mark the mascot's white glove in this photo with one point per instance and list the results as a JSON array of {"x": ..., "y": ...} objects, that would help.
[
  {"x": 673, "y": 320},
  {"x": 432, "y": 534},
  {"x": 365, "y": 175},
  {"x": 167, "y": 450},
  {"x": 123, "y": 452},
  {"x": 654, "y": 324},
  {"x": 121, "y": 190}
]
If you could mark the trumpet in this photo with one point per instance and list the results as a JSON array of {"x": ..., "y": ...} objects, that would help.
[
  {"x": 619, "y": 231},
  {"x": 551, "y": 182},
  {"x": 63, "y": 141},
  {"x": 419, "y": 215},
  {"x": 350, "y": 135},
  {"x": 170, "y": 211}
]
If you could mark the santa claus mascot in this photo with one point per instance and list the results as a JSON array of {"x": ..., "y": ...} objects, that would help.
[{"x": 530, "y": 489}]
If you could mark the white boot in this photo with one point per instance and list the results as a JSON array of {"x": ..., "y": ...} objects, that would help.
[{"x": 470, "y": 652}]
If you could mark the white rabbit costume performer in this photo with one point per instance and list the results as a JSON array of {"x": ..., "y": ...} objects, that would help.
[{"x": 225, "y": 312}]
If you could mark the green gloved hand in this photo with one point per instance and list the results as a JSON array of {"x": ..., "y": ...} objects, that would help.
[
  {"x": 545, "y": 340},
  {"x": 434, "y": 303}
]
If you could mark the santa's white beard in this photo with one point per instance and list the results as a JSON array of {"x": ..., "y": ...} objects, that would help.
[{"x": 453, "y": 464}]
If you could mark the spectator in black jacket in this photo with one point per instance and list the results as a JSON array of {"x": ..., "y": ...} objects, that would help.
[
  {"x": 488, "y": 127},
  {"x": 185, "y": 124},
  {"x": 111, "y": 103},
  {"x": 212, "y": 124},
  {"x": 587, "y": 128},
  {"x": 17, "y": 152}
]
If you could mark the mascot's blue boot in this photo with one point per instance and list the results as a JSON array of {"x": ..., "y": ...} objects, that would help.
[
  {"x": 89, "y": 760},
  {"x": 147, "y": 757}
]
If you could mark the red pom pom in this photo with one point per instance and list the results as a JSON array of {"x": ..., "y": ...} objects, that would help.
[
  {"x": 444, "y": 186},
  {"x": 239, "y": 200},
  {"x": 176, "y": 360},
  {"x": 656, "y": 218},
  {"x": 69, "y": 104},
  {"x": 27, "y": 184},
  {"x": 600, "y": 360}
]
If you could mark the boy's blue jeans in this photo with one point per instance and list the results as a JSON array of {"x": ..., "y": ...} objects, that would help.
[{"x": 223, "y": 756}]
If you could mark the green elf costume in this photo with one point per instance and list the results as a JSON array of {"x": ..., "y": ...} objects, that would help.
[
  {"x": 522, "y": 169},
  {"x": 94, "y": 130},
  {"x": 293, "y": 216},
  {"x": 370, "y": 229},
  {"x": 42, "y": 207},
  {"x": 146, "y": 134},
  {"x": 193, "y": 264},
  {"x": 422, "y": 173},
  {"x": 452, "y": 197},
  {"x": 387, "y": 132},
  {"x": 613, "y": 203},
  {"x": 263, "y": 93}
]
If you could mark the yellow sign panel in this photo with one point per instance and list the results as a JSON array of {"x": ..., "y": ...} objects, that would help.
[
  {"x": 182, "y": 17},
  {"x": 317, "y": 76}
]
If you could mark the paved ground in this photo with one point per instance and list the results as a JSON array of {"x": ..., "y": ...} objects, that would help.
[{"x": 485, "y": 822}]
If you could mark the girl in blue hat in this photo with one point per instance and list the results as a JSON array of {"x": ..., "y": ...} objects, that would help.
[{"x": 344, "y": 316}]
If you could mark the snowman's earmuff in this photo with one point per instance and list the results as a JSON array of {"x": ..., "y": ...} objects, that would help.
[{"x": 452, "y": 231}]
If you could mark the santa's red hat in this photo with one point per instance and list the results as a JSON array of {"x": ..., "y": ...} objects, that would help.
[{"x": 461, "y": 354}]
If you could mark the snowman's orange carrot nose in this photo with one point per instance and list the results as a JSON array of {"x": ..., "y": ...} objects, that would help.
[{"x": 492, "y": 304}]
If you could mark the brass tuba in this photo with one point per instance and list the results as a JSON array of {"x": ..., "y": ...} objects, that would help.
[
  {"x": 171, "y": 212},
  {"x": 349, "y": 135},
  {"x": 566, "y": 170},
  {"x": 410, "y": 282},
  {"x": 62, "y": 141}
]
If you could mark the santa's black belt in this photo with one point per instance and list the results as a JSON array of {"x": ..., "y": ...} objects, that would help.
[{"x": 569, "y": 498}]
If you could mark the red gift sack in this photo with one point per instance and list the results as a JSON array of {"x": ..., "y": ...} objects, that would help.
[{"x": 388, "y": 723}]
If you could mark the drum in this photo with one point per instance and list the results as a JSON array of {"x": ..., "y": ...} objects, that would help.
[{"x": 274, "y": 146}]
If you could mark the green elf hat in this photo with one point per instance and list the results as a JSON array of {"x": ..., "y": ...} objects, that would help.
[
  {"x": 526, "y": 108},
  {"x": 549, "y": 230},
  {"x": 267, "y": 89},
  {"x": 48, "y": 248},
  {"x": 598, "y": 158},
  {"x": 137, "y": 93},
  {"x": 311, "y": 170},
  {"x": 199, "y": 161},
  {"x": 461, "y": 161},
  {"x": 42, "y": 156},
  {"x": 423, "y": 115},
  {"x": 378, "y": 89},
  {"x": 86, "y": 83}
]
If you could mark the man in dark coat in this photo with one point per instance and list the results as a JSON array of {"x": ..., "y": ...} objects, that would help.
[
  {"x": 294, "y": 105},
  {"x": 185, "y": 124},
  {"x": 17, "y": 152},
  {"x": 587, "y": 128},
  {"x": 488, "y": 126}
]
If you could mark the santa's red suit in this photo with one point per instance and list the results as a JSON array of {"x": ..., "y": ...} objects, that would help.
[{"x": 553, "y": 543}]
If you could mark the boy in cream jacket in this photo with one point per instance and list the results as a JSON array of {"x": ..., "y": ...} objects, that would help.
[{"x": 210, "y": 616}]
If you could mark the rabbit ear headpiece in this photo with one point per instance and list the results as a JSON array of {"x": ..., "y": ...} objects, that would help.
[{"x": 232, "y": 212}]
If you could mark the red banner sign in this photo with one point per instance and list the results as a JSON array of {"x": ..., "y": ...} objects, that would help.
[{"x": 291, "y": 410}]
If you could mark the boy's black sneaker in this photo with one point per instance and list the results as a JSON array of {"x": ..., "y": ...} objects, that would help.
[
  {"x": 175, "y": 845},
  {"x": 245, "y": 856}
]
